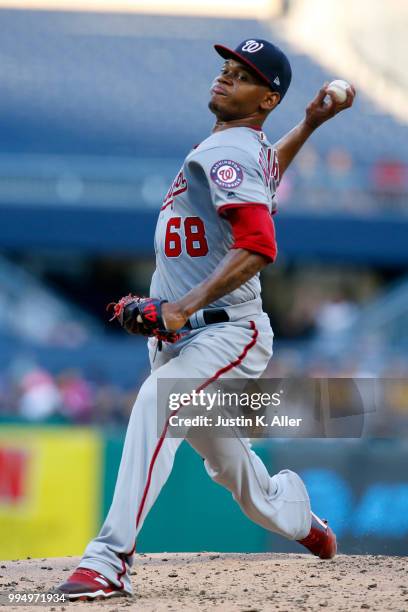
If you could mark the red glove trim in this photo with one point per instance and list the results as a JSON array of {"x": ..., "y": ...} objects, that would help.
[{"x": 252, "y": 227}]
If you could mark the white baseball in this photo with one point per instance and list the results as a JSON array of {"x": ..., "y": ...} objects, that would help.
[{"x": 339, "y": 89}]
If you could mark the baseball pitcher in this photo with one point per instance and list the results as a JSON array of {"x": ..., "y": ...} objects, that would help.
[{"x": 204, "y": 316}]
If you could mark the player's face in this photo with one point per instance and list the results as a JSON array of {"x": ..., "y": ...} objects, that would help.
[{"x": 238, "y": 93}]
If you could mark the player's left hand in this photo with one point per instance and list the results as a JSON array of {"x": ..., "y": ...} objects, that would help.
[
  {"x": 325, "y": 106},
  {"x": 144, "y": 316}
]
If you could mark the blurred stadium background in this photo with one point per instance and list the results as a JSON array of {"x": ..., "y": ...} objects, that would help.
[{"x": 99, "y": 104}]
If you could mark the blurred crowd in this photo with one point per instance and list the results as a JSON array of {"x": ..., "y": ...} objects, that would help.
[
  {"x": 307, "y": 313},
  {"x": 35, "y": 395},
  {"x": 334, "y": 181}
]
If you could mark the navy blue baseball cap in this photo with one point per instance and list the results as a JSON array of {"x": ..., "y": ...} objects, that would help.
[{"x": 265, "y": 59}]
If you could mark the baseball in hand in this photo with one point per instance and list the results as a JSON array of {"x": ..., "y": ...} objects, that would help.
[{"x": 339, "y": 89}]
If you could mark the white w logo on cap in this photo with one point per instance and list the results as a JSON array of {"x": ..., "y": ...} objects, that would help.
[{"x": 251, "y": 46}]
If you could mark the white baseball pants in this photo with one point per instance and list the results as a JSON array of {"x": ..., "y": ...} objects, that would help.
[{"x": 279, "y": 503}]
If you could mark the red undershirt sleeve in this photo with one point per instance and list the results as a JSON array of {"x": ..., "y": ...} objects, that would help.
[{"x": 252, "y": 228}]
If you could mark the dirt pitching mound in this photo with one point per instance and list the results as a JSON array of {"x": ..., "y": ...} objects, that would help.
[{"x": 236, "y": 582}]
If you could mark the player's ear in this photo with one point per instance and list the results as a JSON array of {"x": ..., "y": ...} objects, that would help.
[{"x": 270, "y": 101}]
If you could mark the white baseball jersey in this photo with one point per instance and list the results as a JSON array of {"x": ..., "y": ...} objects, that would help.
[{"x": 234, "y": 166}]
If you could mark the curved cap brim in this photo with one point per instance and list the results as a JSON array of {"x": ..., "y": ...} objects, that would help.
[{"x": 227, "y": 53}]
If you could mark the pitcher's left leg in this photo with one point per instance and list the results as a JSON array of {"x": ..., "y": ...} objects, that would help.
[{"x": 279, "y": 503}]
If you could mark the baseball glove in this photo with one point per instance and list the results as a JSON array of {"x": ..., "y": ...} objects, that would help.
[{"x": 142, "y": 316}]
